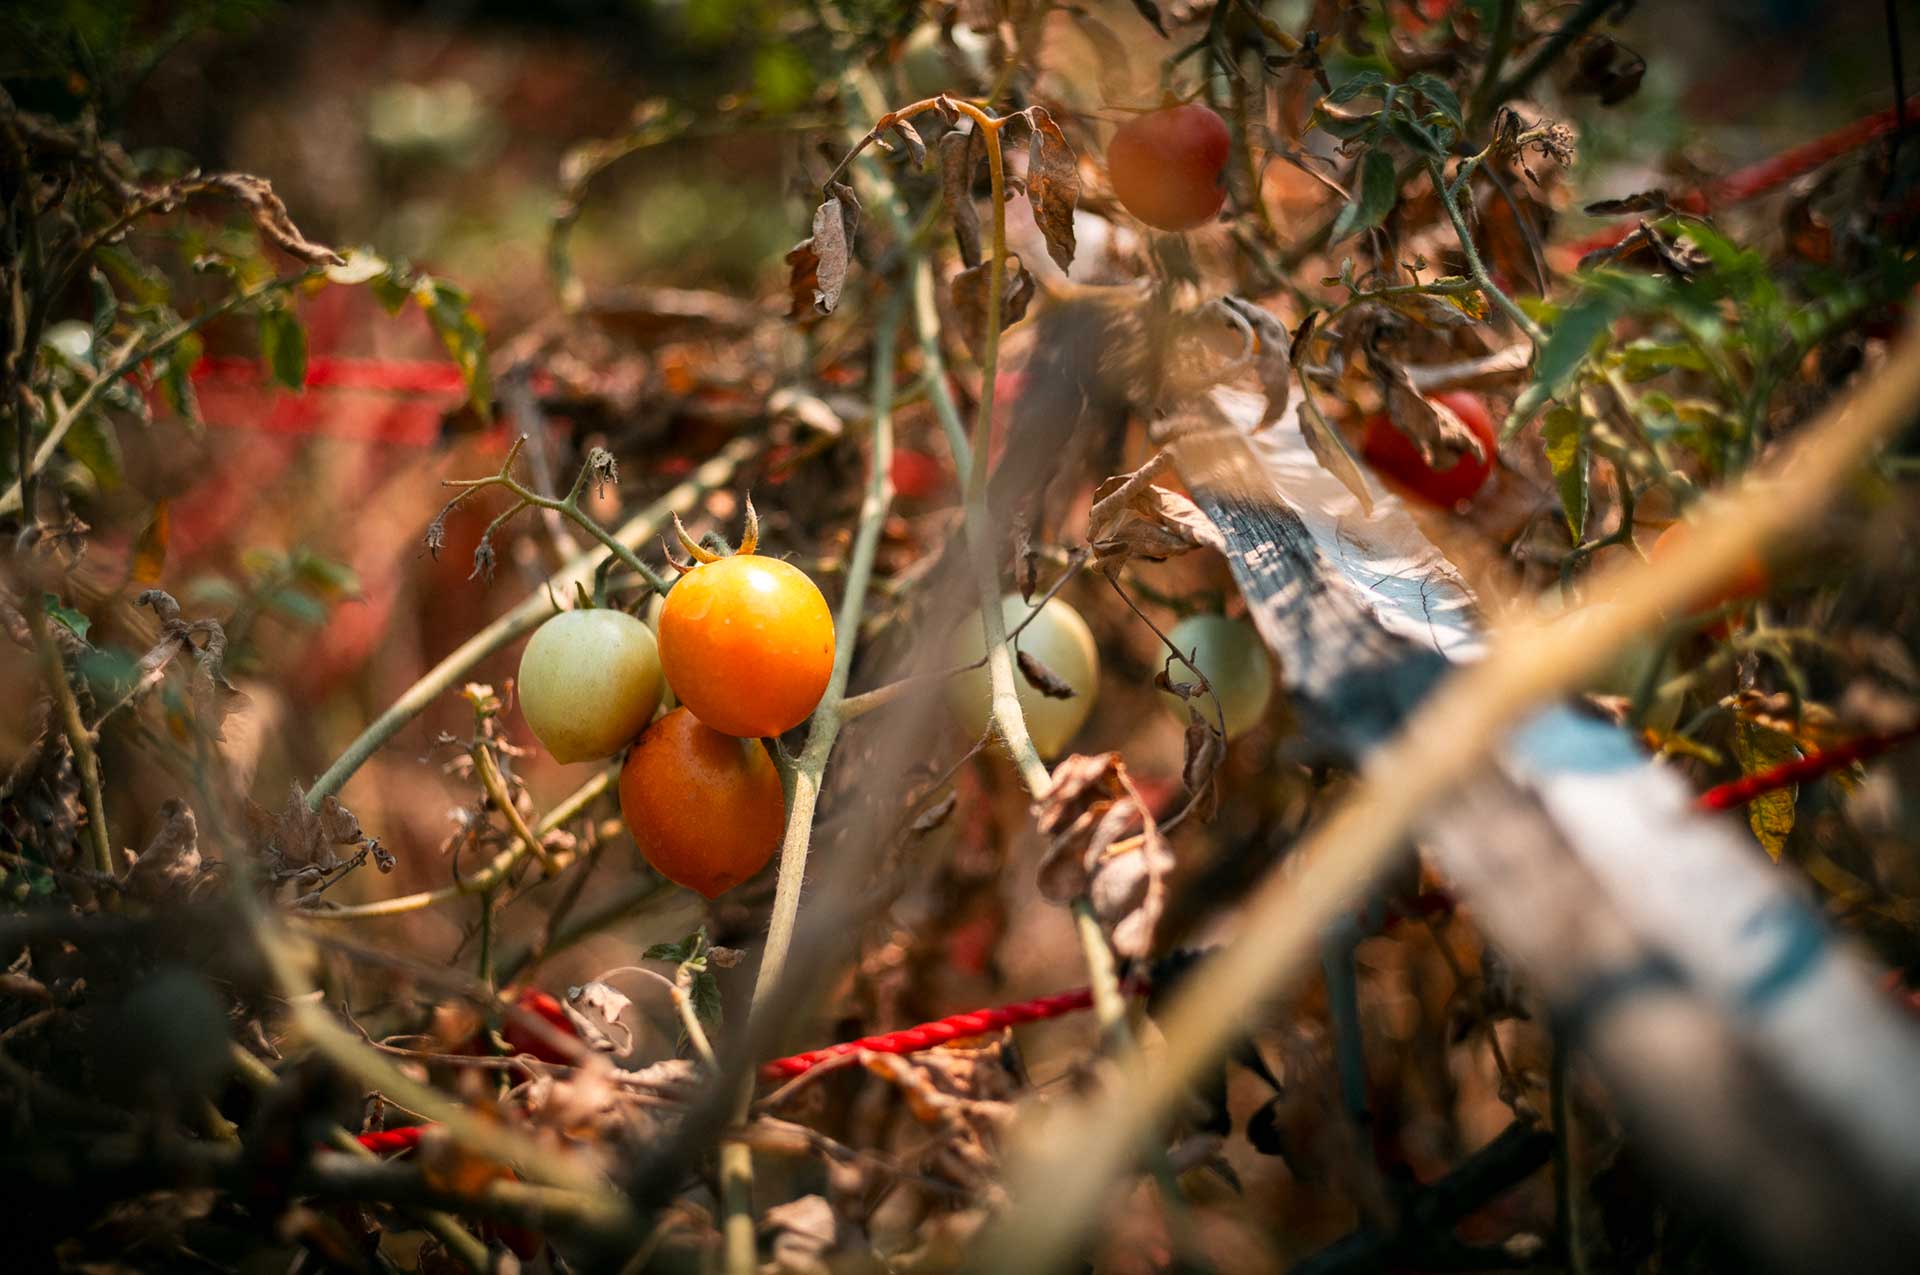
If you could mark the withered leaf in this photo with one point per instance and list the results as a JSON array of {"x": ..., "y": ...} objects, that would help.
[
  {"x": 1053, "y": 184},
  {"x": 958, "y": 159},
  {"x": 969, "y": 290},
  {"x": 1272, "y": 356},
  {"x": 1442, "y": 310},
  {"x": 1205, "y": 746},
  {"x": 1441, "y": 437},
  {"x": 594, "y": 1009},
  {"x": 171, "y": 863},
  {"x": 916, "y": 145},
  {"x": 936, "y": 814},
  {"x": 1133, "y": 518},
  {"x": 1040, "y": 677},
  {"x": 1104, "y": 846},
  {"x": 819, "y": 263},
  {"x": 302, "y": 838},
  {"x": 1646, "y": 201},
  {"x": 1151, "y": 12}
]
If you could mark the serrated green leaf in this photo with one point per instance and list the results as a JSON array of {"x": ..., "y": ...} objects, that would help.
[
  {"x": 1770, "y": 815},
  {"x": 1570, "y": 342},
  {"x": 1566, "y": 440},
  {"x": 95, "y": 443},
  {"x": 1372, "y": 201},
  {"x": 1346, "y": 128},
  {"x": 704, "y": 992},
  {"x": 1440, "y": 94},
  {"x": 1643, "y": 360},
  {"x": 392, "y": 289},
  {"x": 1352, "y": 87},
  {"x": 283, "y": 347},
  {"x": 679, "y": 952},
  {"x": 66, "y": 617},
  {"x": 450, "y": 312}
]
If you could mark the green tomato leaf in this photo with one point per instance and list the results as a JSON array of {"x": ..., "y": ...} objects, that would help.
[
  {"x": 450, "y": 312},
  {"x": 1566, "y": 440},
  {"x": 283, "y": 347},
  {"x": 1438, "y": 92},
  {"x": 1372, "y": 202},
  {"x": 1570, "y": 342},
  {"x": 1361, "y": 82},
  {"x": 66, "y": 617},
  {"x": 106, "y": 311}
]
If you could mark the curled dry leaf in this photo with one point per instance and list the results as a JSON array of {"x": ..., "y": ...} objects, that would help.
[
  {"x": 819, "y": 262},
  {"x": 1133, "y": 518},
  {"x": 970, "y": 298},
  {"x": 801, "y": 1236},
  {"x": 595, "y": 1010},
  {"x": 1053, "y": 184},
  {"x": 958, "y": 159},
  {"x": 1205, "y": 746},
  {"x": 171, "y": 864},
  {"x": 916, "y": 146},
  {"x": 211, "y": 694},
  {"x": 1441, "y": 436},
  {"x": 1104, "y": 846},
  {"x": 301, "y": 838},
  {"x": 1040, "y": 677},
  {"x": 270, "y": 216},
  {"x": 1272, "y": 354}
]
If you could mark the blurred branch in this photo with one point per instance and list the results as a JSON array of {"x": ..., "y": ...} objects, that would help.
[{"x": 534, "y": 610}]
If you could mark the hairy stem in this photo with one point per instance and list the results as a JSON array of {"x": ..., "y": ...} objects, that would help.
[{"x": 1475, "y": 266}]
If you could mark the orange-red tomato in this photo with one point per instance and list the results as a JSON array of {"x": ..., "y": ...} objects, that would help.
[
  {"x": 1393, "y": 455},
  {"x": 747, "y": 644},
  {"x": 1169, "y": 167},
  {"x": 916, "y": 475},
  {"x": 1750, "y": 582},
  {"x": 522, "y": 1038},
  {"x": 706, "y": 809}
]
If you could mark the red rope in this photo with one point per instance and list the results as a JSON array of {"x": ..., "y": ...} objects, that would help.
[
  {"x": 939, "y": 1032},
  {"x": 1769, "y": 174},
  {"x": 402, "y": 1139},
  {"x": 1741, "y": 791}
]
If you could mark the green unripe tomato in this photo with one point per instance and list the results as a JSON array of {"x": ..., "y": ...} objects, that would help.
[
  {"x": 589, "y": 682},
  {"x": 1059, "y": 639},
  {"x": 1230, "y": 654}
]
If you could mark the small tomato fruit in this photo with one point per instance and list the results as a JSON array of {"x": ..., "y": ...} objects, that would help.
[
  {"x": 747, "y": 644},
  {"x": 1234, "y": 661},
  {"x": 1059, "y": 639},
  {"x": 1751, "y": 582},
  {"x": 1394, "y": 456},
  {"x": 706, "y": 809},
  {"x": 589, "y": 682},
  {"x": 1169, "y": 167}
]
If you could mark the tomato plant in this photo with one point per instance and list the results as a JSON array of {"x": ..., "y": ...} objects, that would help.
[
  {"x": 705, "y": 808},
  {"x": 1061, "y": 641},
  {"x": 1234, "y": 660},
  {"x": 747, "y": 643},
  {"x": 589, "y": 682},
  {"x": 1169, "y": 167},
  {"x": 1399, "y": 461}
]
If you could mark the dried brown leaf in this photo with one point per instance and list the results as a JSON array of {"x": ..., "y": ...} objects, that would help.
[
  {"x": 1272, "y": 354},
  {"x": 1104, "y": 846},
  {"x": 969, "y": 290},
  {"x": 595, "y": 1010},
  {"x": 1053, "y": 184},
  {"x": 1040, "y": 677},
  {"x": 819, "y": 263},
  {"x": 1133, "y": 518},
  {"x": 1441, "y": 436},
  {"x": 958, "y": 160},
  {"x": 171, "y": 863}
]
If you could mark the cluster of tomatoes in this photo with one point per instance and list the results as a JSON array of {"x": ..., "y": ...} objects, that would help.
[{"x": 744, "y": 648}]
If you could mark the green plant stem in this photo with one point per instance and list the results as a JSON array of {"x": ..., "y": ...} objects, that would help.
[
  {"x": 1485, "y": 93},
  {"x": 131, "y": 358},
  {"x": 85, "y": 760},
  {"x": 531, "y": 612},
  {"x": 736, "y": 1158},
  {"x": 1475, "y": 266},
  {"x": 488, "y": 877}
]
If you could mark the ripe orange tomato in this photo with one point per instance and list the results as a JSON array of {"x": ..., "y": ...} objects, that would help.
[
  {"x": 706, "y": 809},
  {"x": 1751, "y": 582},
  {"x": 1169, "y": 167},
  {"x": 747, "y": 643},
  {"x": 1394, "y": 456}
]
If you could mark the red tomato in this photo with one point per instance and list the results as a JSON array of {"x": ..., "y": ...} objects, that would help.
[
  {"x": 706, "y": 809},
  {"x": 522, "y": 1038},
  {"x": 916, "y": 475},
  {"x": 1393, "y": 455},
  {"x": 747, "y": 644},
  {"x": 1169, "y": 167},
  {"x": 1752, "y": 581}
]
